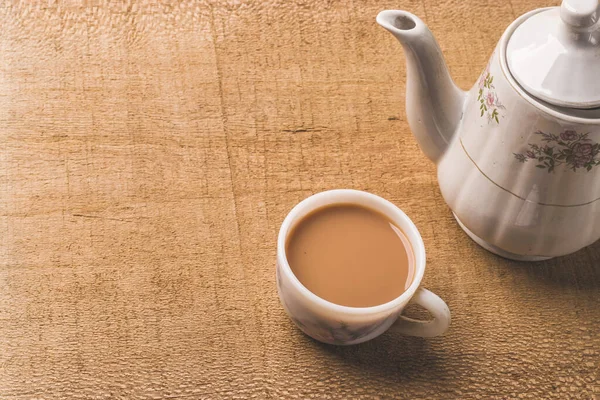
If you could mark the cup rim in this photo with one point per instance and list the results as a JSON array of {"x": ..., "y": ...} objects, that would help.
[{"x": 387, "y": 208}]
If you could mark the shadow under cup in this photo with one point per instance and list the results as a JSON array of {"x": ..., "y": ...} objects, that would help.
[{"x": 337, "y": 324}]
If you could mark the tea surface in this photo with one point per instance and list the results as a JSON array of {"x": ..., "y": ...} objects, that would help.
[{"x": 350, "y": 255}]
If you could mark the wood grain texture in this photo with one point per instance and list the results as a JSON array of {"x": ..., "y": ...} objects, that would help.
[{"x": 148, "y": 154}]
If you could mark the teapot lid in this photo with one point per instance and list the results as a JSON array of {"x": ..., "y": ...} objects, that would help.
[{"x": 555, "y": 54}]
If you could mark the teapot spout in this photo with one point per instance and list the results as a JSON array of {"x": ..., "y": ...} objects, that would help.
[{"x": 434, "y": 104}]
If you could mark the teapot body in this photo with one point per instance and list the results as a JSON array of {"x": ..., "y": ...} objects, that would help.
[{"x": 522, "y": 179}]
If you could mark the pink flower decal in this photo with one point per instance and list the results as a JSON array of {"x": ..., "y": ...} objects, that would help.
[
  {"x": 582, "y": 154},
  {"x": 568, "y": 135},
  {"x": 583, "y": 149},
  {"x": 489, "y": 104},
  {"x": 490, "y": 99}
]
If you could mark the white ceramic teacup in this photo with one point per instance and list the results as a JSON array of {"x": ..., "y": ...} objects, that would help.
[{"x": 337, "y": 324}]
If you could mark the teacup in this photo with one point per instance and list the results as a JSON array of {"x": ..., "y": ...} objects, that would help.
[{"x": 342, "y": 325}]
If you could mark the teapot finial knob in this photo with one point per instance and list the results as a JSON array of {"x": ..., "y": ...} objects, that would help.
[{"x": 579, "y": 14}]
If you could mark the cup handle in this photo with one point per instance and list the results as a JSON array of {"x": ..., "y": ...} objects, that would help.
[{"x": 433, "y": 327}]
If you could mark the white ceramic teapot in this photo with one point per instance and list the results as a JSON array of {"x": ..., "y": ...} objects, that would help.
[{"x": 518, "y": 155}]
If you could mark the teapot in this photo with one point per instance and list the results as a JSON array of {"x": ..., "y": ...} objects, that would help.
[{"x": 518, "y": 155}]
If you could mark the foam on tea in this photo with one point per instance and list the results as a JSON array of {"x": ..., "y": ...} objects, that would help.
[{"x": 350, "y": 255}]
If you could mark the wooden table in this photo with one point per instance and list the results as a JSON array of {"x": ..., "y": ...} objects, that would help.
[{"x": 148, "y": 154}]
